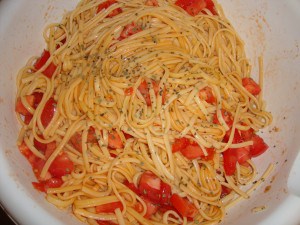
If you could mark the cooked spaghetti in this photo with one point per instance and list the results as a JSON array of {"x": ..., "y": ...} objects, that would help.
[{"x": 142, "y": 112}]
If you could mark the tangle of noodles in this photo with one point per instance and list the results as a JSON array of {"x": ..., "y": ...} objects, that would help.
[{"x": 119, "y": 86}]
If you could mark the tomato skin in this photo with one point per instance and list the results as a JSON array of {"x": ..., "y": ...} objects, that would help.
[
  {"x": 225, "y": 191},
  {"x": 109, "y": 207},
  {"x": 104, "y": 222},
  {"x": 107, "y": 4},
  {"x": 194, "y": 7},
  {"x": 129, "y": 30},
  {"x": 180, "y": 143},
  {"x": 258, "y": 147},
  {"x": 210, "y": 154},
  {"x": 206, "y": 94},
  {"x": 50, "y": 149},
  {"x": 20, "y": 108},
  {"x": 48, "y": 112},
  {"x": 39, "y": 186},
  {"x": 61, "y": 166},
  {"x": 247, "y": 135},
  {"x": 38, "y": 96},
  {"x": 229, "y": 160},
  {"x": 192, "y": 151},
  {"x": 76, "y": 141},
  {"x": 183, "y": 206},
  {"x": 40, "y": 62},
  {"x": 251, "y": 86},
  {"x": 114, "y": 140},
  {"x": 166, "y": 193},
  {"x": 132, "y": 187},
  {"x": 39, "y": 145},
  {"x": 152, "y": 208},
  {"x": 27, "y": 119}
]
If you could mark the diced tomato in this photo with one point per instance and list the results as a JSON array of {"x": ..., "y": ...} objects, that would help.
[
  {"x": 165, "y": 208},
  {"x": 27, "y": 119},
  {"x": 206, "y": 94},
  {"x": 61, "y": 166},
  {"x": 138, "y": 207},
  {"x": 180, "y": 143},
  {"x": 129, "y": 30},
  {"x": 39, "y": 186},
  {"x": 109, "y": 207},
  {"x": 192, "y": 151},
  {"x": 243, "y": 154},
  {"x": 132, "y": 187},
  {"x": 144, "y": 90},
  {"x": 40, "y": 62},
  {"x": 38, "y": 96},
  {"x": 151, "y": 3},
  {"x": 114, "y": 140},
  {"x": 128, "y": 91},
  {"x": 37, "y": 167},
  {"x": 127, "y": 136},
  {"x": 27, "y": 153},
  {"x": 258, "y": 147},
  {"x": 183, "y": 206},
  {"x": 105, "y": 222},
  {"x": 107, "y": 4},
  {"x": 91, "y": 137},
  {"x": 225, "y": 191},
  {"x": 194, "y": 7},
  {"x": 48, "y": 112},
  {"x": 151, "y": 207},
  {"x": 210, "y": 154},
  {"x": 76, "y": 141},
  {"x": 251, "y": 86},
  {"x": 20, "y": 108},
  {"x": 53, "y": 182},
  {"x": 50, "y": 149},
  {"x": 230, "y": 160},
  {"x": 247, "y": 135},
  {"x": 166, "y": 193},
  {"x": 226, "y": 116},
  {"x": 39, "y": 145}
]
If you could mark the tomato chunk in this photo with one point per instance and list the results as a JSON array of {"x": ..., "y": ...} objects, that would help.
[
  {"x": 251, "y": 86},
  {"x": 109, "y": 207},
  {"x": 40, "y": 62},
  {"x": 27, "y": 152},
  {"x": 229, "y": 160},
  {"x": 226, "y": 116},
  {"x": 144, "y": 90},
  {"x": 192, "y": 151},
  {"x": 20, "y": 108},
  {"x": 183, "y": 206},
  {"x": 132, "y": 187},
  {"x": 180, "y": 143},
  {"x": 206, "y": 94},
  {"x": 194, "y": 7},
  {"x": 107, "y": 4},
  {"x": 61, "y": 166},
  {"x": 129, "y": 30},
  {"x": 258, "y": 147},
  {"x": 225, "y": 191},
  {"x": 152, "y": 208},
  {"x": 114, "y": 140},
  {"x": 128, "y": 91},
  {"x": 104, "y": 222},
  {"x": 48, "y": 112}
]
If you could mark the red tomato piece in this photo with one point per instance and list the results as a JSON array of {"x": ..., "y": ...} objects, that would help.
[
  {"x": 243, "y": 154},
  {"x": 37, "y": 166},
  {"x": 132, "y": 187},
  {"x": 229, "y": 160},
  {"x": 40, "y": 62},
  {"x": 129, "y": 30},
  {"x": 247, "y": 134},
  {"x": 27, "y": 153},
  {"x": 48, "y": 112},
  {"x": 192, "y": 151},
  {"x": 107, "y": 4},
  {"x": 39, "y": 145},
  {"x": 210, "y": 154},
  {"x": 128, "y": 91},
  {"x": 50, "y": 149},
  {"x": 194, "y": 7},
  {"x": 226, "y": 116},
  {"x": 127, "y": 136},
  {"x": 152, "y": 208},
  {"x": 166, "y": 193},
  {"x": 258, "y": 147},
  {"x": 251, "y": 86},
  {"x": 144, "y": 90},
  {"x": 27, "y": 119},
  {"x": 225, "y": 191},
  {"x": 104, "y": 222},
  {"x": 20, "y": 108},
  {"x": 206, "y": 94},
  {"x": 76, "y": 141},
  {"x": 151, "y": 3},
  {"x": 91, "y": 137},
  {"x": 114, "y": 140},
  {"x": 53, "y": 182},
  {"x": 109, "y": 207},
  {"x": 180, "y": 143},
  {"x": 150, "y": 186},
  {"x": 183, "y": 206},
  {"x": 61, "y": 166},
  {"x": 39, "y": 186},
  {"x": 38, "y": 96}
]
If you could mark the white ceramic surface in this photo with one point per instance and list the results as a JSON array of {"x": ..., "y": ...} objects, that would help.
[{"x": 269, "y": 27}]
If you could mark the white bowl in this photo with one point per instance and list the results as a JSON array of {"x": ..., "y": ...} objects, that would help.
[{"x": 269, "y": 27}]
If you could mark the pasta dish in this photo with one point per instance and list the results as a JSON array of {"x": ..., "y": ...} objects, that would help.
[{"x": 142, "y": 112}]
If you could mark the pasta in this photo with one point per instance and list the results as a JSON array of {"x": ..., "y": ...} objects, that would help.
[{"x": 142, "y": 112}]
